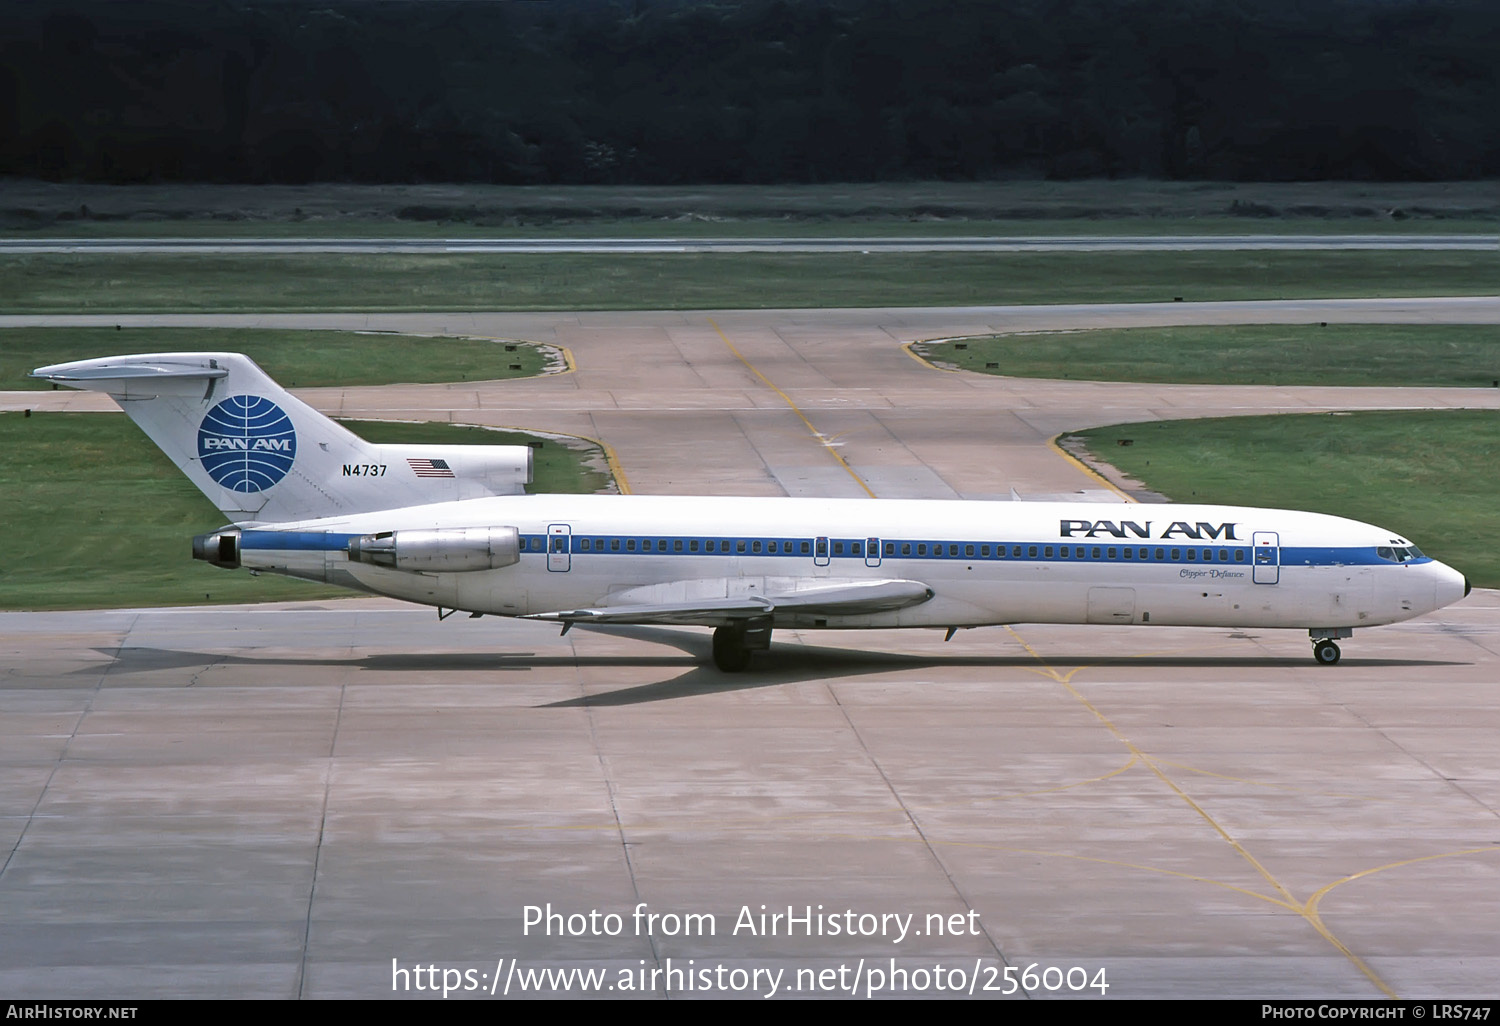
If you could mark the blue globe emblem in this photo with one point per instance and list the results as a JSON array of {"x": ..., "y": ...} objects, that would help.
[{"x": 247, "y": 443}]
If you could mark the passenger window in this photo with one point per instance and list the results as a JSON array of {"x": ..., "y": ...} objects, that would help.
[
  {"x": 952, "y": 550},
  {"x": 1144, "y": 553},
  {"x": 630, "y": 545},
  {"x": 1239, "y": 555},
  {"x": 838, "y": 548},
  {"x": 1176, "y": 555},
  {"x": 693, "y": 545},
  {"x": 677, "y": 545},
  {"x": 1031, "y": 552},
  {"x": 1063, "y": 552},
  {"x": 906, "y": 548},
  {"x": 1047, "y": 552},
  {"x": 1078, "y": 552},
  {"x": 921, "y": 548},
  {"x": 804, "y": 547},
  {"x": 890, "y": 548},
  {"x": 739, "y": 546},
  {"x": 1129, "y": 553},
  {"x": 771, "y": 547},
  {"x": 1111, "y": 553},
  {"x": 1192, "y": 554},
  {"x": 661, "y": 545},
  {"x": 614, "y": 545},
  {"x": 1015, "y": 552},
  {"x": 984, "y": 552},
  {"x": 1161, "y": 553},
  {"x": 1223, "y": 555},
  {"x": 755, "y": 546},
  {"x": 1096, "y": 552},
  {"x": 854, "y": 548}
]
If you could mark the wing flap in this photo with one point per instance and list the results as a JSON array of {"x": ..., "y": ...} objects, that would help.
[{"x": 840, "y": 598}]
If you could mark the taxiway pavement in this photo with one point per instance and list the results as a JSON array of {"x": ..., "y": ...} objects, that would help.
[{"x": 317, "y": 799}]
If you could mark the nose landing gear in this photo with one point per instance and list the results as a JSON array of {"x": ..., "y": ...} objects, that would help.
[
  {"x": 1326, "y": 652},
  {"x": 1325, "y": 649}
]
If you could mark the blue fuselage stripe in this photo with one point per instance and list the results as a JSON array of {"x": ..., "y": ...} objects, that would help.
[{"x": 890, "y": 549}]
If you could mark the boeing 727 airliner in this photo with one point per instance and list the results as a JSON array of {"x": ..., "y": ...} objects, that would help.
[{"x": 451, "y": 527}]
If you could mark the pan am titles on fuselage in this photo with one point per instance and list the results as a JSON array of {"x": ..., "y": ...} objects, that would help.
[{"x": 451, "y": 527}]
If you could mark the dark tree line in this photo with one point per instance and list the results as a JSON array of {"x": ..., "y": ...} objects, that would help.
[{"x": 749, "y": 90}]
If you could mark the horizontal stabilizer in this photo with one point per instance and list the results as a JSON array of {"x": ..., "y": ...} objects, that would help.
[{"x": 93, "y": 377}]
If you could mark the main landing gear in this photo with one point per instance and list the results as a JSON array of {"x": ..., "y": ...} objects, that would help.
[
  {"x": 1325, "y": 649},
  {"x": 734, "y": 642}
]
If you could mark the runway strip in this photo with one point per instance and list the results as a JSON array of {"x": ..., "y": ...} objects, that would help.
[{"x": 788, "y": 244}]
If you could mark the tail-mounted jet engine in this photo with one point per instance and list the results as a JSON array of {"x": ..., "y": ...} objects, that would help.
[
  {"x": 221, "y": 548},
  {"x": 439, "y": 550}
]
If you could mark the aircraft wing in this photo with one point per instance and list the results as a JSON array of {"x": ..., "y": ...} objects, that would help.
[{"x": 842, "y": 598}]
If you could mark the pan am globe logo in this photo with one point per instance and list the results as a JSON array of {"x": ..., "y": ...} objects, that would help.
[{"x": 247, "y": 443}]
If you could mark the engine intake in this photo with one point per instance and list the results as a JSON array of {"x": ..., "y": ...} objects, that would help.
[{"x": 439, "y": 550}]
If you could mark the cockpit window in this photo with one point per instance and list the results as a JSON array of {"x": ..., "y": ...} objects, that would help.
[{"x": 1398, "y": 553}]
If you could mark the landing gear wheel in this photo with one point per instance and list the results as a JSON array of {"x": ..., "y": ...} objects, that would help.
[
  {"x": 1326, "y": 652},
  {"x": 730, "y": 653}
]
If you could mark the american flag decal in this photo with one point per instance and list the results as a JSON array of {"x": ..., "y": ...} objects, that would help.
[{"x": 430, "y": 468}]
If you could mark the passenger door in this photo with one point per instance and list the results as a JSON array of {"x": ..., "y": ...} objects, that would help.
[
  {"x": 559, "y": 548},
  {"x": 1267, "y": 556}
]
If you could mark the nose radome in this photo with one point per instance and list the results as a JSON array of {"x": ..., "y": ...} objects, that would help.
[{"x": 1450, "y": 585}]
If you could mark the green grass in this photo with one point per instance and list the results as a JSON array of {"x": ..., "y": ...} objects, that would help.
[
  {"x": 1011, "y": 207},
  {"x": 1270, "y": 354},
  {"x": 95, "y": 515},
  {"x": 98, "y": 283},
  {"x": 294, "y": 358},
  {"x": 1426, "y": 476}
]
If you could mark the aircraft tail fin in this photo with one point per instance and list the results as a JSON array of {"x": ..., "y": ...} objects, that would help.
[{"x": 262, "y": 455}]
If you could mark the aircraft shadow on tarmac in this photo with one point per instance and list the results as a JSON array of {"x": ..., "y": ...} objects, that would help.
[{"x": 783, "y": 664}]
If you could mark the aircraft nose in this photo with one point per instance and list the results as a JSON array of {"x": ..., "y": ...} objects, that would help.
[{"x": 1450, "y": 585}]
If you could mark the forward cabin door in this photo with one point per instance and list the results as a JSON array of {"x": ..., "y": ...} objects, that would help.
[
  {"x": 872, "y": 552},
  {"x": 559, "y": 548},
  {"x": 1267, "y": 556}
]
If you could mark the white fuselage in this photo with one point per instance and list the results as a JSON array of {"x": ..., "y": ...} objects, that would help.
[{"x": 985, "y": 562}]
